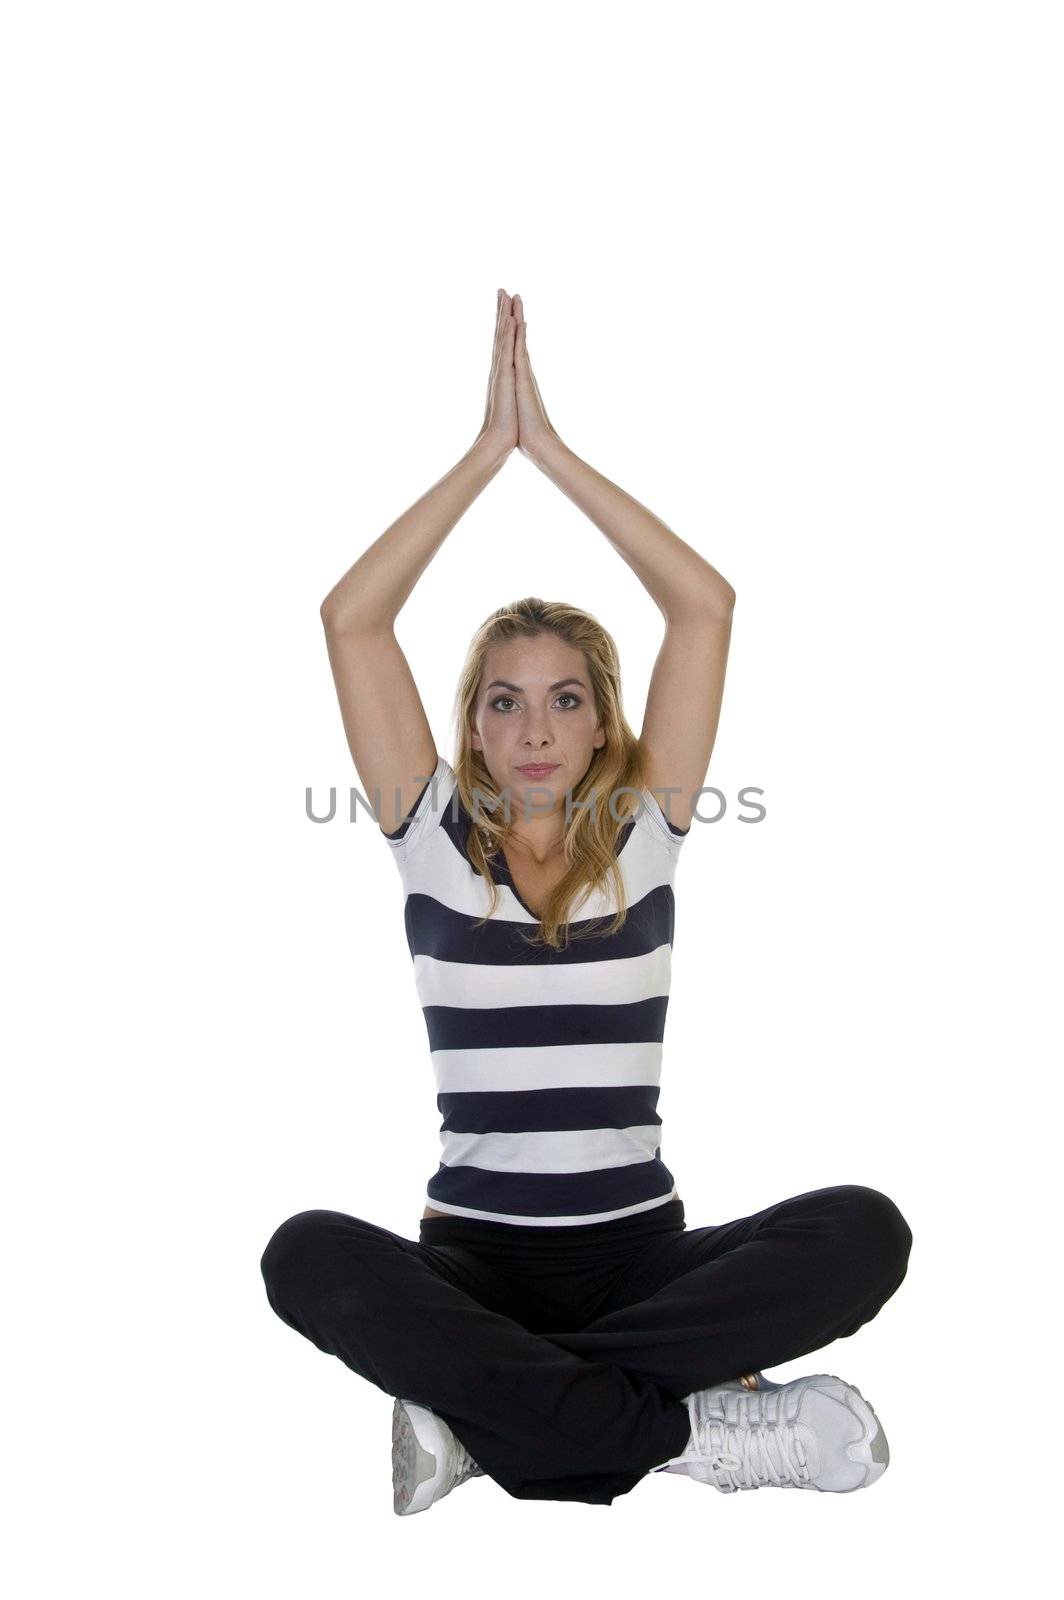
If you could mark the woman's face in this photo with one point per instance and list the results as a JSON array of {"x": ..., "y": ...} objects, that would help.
[{"x": 535, "y": 704}]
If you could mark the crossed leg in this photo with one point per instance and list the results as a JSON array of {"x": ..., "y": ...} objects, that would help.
[{"x": 703, "y": 1306}]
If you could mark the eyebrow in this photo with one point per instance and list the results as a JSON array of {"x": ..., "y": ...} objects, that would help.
[{"x": 500, "y": 683}]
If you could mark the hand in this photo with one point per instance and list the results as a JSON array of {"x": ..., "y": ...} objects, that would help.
[
  {"x": 500, "y": 415},
  {"x": 534, "y": 426}
]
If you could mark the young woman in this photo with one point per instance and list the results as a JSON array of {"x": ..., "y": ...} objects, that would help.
[{"x": 557, "y": 1326}]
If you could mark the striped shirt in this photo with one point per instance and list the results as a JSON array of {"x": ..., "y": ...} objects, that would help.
[{"x": 547, "y": 1063}]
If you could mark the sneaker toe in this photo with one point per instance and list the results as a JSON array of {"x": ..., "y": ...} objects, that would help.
[{"x": 851, "y": 1446}]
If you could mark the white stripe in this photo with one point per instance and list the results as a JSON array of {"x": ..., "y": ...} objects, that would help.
[
  {"x": 576, "y": 1150},
  {"x": 554, "y": 1066},
  {"x": 618, "y": 980}
]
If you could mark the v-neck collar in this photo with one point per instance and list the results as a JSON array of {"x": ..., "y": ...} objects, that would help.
[
  {"x": 504, "y": 871},
  {"x": 501, "y": 867},
  {"x": 460, "y": 825}
]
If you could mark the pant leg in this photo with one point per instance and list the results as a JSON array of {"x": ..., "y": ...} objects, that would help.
[
  {"x": 700, "y": 1307},
  {"x": 439, "y": 1326}
]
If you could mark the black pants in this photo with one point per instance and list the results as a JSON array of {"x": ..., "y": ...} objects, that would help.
[{"x": 561, "y": 1356}]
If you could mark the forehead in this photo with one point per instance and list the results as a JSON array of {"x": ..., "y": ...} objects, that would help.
[{"x": 533, "y": 663}]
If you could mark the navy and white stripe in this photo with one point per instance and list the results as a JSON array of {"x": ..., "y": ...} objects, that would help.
[{"x": 547, "y": 1063}]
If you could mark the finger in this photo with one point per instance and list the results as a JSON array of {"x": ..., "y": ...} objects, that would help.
[
  {"x": 503, "y": 364},
  {"x": 503, "y": 351},
  {"x": 496, "y": 337}
]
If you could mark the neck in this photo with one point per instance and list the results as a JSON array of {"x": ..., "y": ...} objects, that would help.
[{"x": 541, "y": 850}]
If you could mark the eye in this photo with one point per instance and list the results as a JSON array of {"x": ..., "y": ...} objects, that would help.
[{"x": 568, "y": 695}]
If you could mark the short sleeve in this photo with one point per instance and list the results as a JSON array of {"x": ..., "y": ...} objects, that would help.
[
  {"x": 426, "y": 813},
  {"x": 658, "y": 824}
]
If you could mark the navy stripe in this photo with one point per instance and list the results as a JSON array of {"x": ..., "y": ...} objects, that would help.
[
  {"x": 496, "y": 1027},
  {"x": 540, "y": 1110},
  {"x": 551, "y": 1194},
  {"x": 434, "y": 929}
]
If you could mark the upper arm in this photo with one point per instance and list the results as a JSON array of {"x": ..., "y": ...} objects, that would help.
[
  {"x": 683, "y": 709},
  {"x": 387, "y": 730}
]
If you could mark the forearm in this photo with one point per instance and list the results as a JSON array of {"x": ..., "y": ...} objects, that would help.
[
  {"x": 680, "y": 581},
  {"x": 373, "y": 591}
]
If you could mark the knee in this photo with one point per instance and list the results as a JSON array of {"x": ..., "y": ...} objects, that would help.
[
  {"x": 289, "y": 1260},
  {"x": 875, "y": 1231}
]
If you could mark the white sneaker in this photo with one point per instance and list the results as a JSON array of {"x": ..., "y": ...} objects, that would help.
[
  {"x": 428, "y": 1460},
  {"x": 811, "y": 1433}
]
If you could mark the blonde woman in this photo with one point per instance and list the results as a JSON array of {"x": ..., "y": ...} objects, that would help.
[{"x": 556, "y": 1326}]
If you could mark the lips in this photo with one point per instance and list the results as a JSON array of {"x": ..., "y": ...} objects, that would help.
[{"x": 534, "y": 771}]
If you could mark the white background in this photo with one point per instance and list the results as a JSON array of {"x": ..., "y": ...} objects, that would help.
[{"x": 792, "y": 278}]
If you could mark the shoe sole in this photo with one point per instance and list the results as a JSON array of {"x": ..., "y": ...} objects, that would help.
[{"x": 416, "y": 1457}]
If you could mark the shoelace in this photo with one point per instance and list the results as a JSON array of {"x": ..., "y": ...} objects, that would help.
[{"x": 743, "y": 1445}]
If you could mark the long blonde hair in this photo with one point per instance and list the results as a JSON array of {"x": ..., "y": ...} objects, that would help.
[{"x": 591, "y": 833}]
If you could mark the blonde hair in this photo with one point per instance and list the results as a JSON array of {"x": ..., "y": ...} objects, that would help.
[{"x": 591, "y": 833}]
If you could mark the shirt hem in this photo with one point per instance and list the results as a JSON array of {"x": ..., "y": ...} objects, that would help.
[{"x": 545, "y": 1222}]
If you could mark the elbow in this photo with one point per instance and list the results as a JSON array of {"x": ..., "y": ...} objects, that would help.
[
  {"x": 341, "y": 617},
  {"x": 718, "y": 594},
  {"x": 712, "y": 592},
  {"x": 715, "y": 601},
  {"x": 336, "y": 618}
]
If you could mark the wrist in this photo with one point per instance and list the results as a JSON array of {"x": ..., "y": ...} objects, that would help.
[
  {"x": 546, "y": 450},
  {"x": 490, "y": 450}
]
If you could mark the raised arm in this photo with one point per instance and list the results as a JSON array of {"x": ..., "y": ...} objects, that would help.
[
  {"x": 687, "y": 684},
  {"x": 384, "y": 719}
]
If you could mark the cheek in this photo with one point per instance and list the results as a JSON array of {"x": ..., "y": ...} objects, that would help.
[{"x": 494, "y": 745}]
